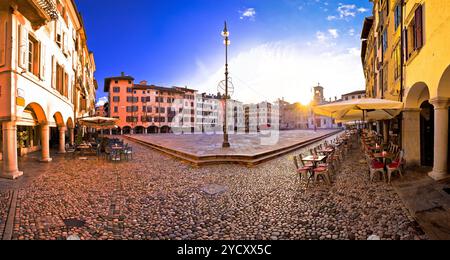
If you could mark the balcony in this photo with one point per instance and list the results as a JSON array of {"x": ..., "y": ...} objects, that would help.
[{"x": 38, "y": 12}]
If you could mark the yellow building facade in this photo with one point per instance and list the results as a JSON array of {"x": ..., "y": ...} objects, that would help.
[
  {"x": 414, "y": 67},
  {"x": 46, "y": 78}
]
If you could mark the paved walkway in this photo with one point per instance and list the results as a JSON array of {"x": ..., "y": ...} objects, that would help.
[
  {"x": 428, "y": 202},
  {"x": 157, "y": 197},
  {"x": 242, "y": 144}
]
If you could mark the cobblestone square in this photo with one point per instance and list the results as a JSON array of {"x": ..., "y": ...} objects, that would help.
[{"x": 157, "y": 197}]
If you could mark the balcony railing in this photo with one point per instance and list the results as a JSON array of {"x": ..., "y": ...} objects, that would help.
[{"x": 49, "y": 7}]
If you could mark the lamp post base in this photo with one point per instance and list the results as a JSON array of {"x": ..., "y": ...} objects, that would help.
[{"x": 226, "y": 145}]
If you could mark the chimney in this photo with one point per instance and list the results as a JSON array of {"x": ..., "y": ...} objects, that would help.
[
  {"x": 335, "y": 98},
  {"x": 143, "y": 82},
  {"x": 122, "y": 74}
]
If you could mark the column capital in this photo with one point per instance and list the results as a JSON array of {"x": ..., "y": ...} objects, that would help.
[
  {"x": 440, "y": 103},
  {"x": 62, "y": 128}
]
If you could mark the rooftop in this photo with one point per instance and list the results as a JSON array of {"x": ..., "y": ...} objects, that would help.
[{"x": 121, "y": 77}]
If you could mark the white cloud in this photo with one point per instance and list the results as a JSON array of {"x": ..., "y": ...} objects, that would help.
[
  {"x": 249, "y": 13},
  {"x": 288, "y": 69},
  {"x": 102, "y": 101},
  {"x": 362, "y": 10},
  {"x": 331, "y": 18},
  {"x": 346, "y": 11},
  {"x": 354, "y": 51},
  {"x": 351, "y": 32},
  {"x": 334, "y": 33}
]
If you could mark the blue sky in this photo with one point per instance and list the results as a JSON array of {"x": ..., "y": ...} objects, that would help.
[{"x": 279, "y": 48}]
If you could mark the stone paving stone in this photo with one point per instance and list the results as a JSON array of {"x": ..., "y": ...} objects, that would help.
[
  {"x": 157, "y": 197},
  {"x": 4, "y": 209}
]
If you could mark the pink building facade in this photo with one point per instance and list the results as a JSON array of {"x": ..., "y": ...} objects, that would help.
[{"x": 146, "y": 109}]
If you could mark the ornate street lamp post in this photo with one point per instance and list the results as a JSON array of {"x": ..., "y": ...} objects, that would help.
[{"x": 226, "y": 34}]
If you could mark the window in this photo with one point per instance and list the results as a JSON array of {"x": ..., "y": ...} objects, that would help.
[
  {"x": 58, "y": 34},
  {"x": 60, "y": 80},
  {"x": 414, "y": 33},
  {"x": 385, "y": 78},
  {"x": 129, "y": 90},
  {"x": 116, "y": 81},
  {"x": 131, "y": 99},
  {"x": 33, "y": 55},
  {"x": 397, "y": 16},
  {"x": 116, "y": 109},
  {"x": 132, "y": 109},
  {"x": 384, "y": 40},
  {"x": 116, "y": 99},
  {"x": 397, "y": 62},
  {"x": 146, "y": 119},
  {"x": 132, "y": 119},
  {"x": 116, "y": 89}
]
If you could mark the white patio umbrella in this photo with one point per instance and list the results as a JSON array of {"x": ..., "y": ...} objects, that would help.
[
  {"x": 366, "y": 109},
  {"x": 99, "y": 122}
]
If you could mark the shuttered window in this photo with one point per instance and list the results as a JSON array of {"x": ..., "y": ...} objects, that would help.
[{"x": 418, "y": 18}]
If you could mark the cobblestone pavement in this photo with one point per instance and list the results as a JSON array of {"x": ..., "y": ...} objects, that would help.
[
  {"x": 157, "y": 197},
  {"x": 4, "y": 204}
]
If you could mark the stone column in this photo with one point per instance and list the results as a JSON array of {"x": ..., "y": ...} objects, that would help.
[
  {"x": 411, "y": 136},
  {"x": 440, "y": 138},
  {"x": 145, "y": 130},
  {"x": 45, "y": 143},
  {"x": 72, "y": 136},
  {"x": 10, "y": 163},
  {"x": 386, "y": 131},
  {"x": 62, "y": 140},
  {"x": 121, "y": 131}
]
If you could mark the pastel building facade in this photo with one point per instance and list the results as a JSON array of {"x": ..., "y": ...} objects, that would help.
[
  {"x": 411, "y": 50},
  {"x": 46, "y": 78},
  {"x": 143, "y": 108}
]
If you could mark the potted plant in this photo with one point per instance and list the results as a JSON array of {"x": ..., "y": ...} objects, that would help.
[{"x": 22, "y": 138}]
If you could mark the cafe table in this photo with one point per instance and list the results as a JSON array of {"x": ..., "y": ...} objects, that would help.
[
  {"x": 314, "y": 159},
  {"x": 385, "y": 156}
]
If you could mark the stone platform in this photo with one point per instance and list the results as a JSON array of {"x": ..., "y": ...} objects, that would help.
[{"x": 246, "y": 149}]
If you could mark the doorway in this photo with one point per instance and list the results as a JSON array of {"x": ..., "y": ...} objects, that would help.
[{"x": 427, "y": 134}]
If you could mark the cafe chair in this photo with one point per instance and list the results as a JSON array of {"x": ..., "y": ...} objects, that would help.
[{"x": 396, "y": 167}]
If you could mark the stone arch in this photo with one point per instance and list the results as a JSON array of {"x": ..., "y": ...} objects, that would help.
[
  {"x": 139, "y": 130},
  {"x": 126, "y": 130},
  {"x": 444, "y": 84},
  {"x": 59, "y": 120},
  {"x": 116, "y": 130},
  {"x": 70, "y": 124},
  {"x": 152, "y": 129},
  {"x": 38, "y": 112},
  {"x": 416, "y": 95}
]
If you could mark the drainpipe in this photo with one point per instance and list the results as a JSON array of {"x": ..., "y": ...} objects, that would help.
[
  {"x": 402, "y": 51},
  {"x": 402, "y": 69}
]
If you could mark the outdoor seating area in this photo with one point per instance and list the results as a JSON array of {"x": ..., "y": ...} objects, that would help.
[
  {"x": 383, "y": 159},
  {"x": 323, "y": 163},
  {"x": 110, "y": 149},
  {"x": 325, "y": 160}
]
